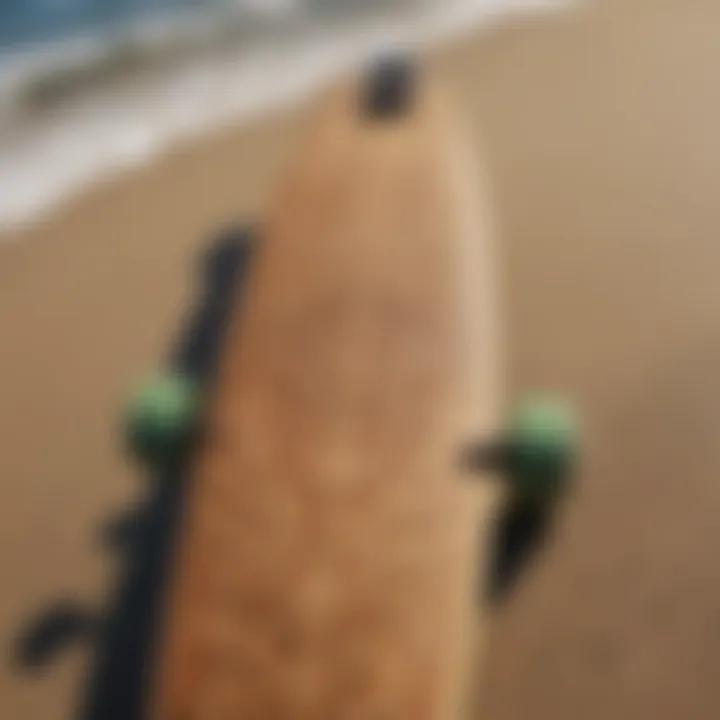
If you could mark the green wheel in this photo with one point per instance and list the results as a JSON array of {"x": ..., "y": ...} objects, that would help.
[
  {"x": 543, "y": 447},
  {"x": 161, "y": 417}
]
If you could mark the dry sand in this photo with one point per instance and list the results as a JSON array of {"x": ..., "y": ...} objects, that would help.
[{"x": 601, "y": 129}]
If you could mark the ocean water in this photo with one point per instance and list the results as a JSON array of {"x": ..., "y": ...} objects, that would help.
[
  {"x": 24, "y": 22},
  {"x": 92, "y": 87}
]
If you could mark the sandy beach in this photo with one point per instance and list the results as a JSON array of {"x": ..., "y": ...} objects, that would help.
[{"x": 599, "y": 127}]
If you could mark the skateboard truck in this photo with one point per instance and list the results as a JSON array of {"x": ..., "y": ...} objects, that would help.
[{"x": 537, "y": 453}]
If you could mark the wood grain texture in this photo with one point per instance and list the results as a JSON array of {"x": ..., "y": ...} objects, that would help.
[{"x": 332, "y": 540}]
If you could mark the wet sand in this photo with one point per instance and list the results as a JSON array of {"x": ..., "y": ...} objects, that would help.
[{"x": 600, "y": 129}]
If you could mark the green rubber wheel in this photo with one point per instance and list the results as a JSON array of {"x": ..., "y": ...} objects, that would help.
[
  {"x": 161, "y": 417},
  {"x": 543, "y": 440}
]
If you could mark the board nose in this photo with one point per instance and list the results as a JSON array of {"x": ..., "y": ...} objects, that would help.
[{"x": 388, "y": 87}]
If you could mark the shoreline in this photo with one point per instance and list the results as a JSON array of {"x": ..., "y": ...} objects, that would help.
[{"x": 96, "y": 111}]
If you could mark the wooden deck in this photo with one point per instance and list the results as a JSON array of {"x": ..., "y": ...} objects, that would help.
[{"x": 331, "y": 546}]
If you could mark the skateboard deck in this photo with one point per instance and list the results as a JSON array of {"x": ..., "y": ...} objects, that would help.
[{"x": 333, "y": 538}]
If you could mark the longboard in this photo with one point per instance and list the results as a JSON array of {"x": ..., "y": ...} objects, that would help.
[{"x": 333, "y": 539}]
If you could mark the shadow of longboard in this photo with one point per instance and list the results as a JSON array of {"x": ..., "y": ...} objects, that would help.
[
  {"x": 124, "y": 647},
  {"x": 125, "y": 633},
  {"x": 118, "y": 683}
]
